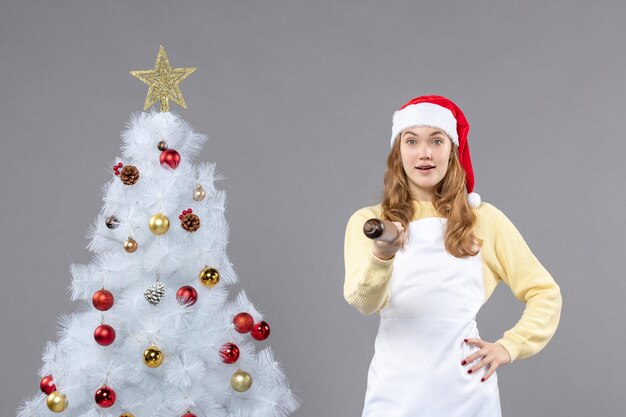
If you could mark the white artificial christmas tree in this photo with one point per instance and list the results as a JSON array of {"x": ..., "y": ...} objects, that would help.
[{"x": 157, "y": 335}]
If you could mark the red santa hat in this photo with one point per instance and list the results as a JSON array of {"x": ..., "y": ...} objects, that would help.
[{"x": 442, "y": 113}]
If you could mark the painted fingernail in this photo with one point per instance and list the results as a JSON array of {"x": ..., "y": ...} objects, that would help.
[
  {"x": 482, "y": 379},
  {"x": 469, "y": 372},
  {"x": 463, "y": 363},
  {"x": 465, "y": 340}
]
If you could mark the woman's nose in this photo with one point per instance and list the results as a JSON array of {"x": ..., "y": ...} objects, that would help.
[{"x": 424, "y": 153}]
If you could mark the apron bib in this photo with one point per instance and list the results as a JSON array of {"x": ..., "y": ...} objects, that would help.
[{"x": 416, "y": 370}]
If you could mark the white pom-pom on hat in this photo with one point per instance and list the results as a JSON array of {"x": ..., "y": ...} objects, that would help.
[{"x": 473, "y": 199}]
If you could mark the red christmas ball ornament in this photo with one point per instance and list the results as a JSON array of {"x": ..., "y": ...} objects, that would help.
[
  {"x": 105, "y": 396},
  {"x": 170, "y": 157},
  {"x": 187, "y": 295},
  {"x": 102, "y": 300},
  {"x": 189, "y": 415},
  {"x": 104, "y": 335},
  {"x": 260, "y": 331},
  {"x": 243, "y": 322},
  {"x": 47, "y": 385},
  {"x": 229, "y": 353}
]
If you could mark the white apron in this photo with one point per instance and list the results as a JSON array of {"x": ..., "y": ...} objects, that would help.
[{"x": 416, "y": 370}]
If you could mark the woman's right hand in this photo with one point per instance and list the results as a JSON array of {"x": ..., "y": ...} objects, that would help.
[{"x": 386, "y": 250}]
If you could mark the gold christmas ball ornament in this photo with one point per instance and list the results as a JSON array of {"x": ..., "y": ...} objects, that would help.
[
  {"x": 57, "y": 402},
  {"x": 130, "y": 245},
  {"x": 198, "y": 193},
  {"x": 241, "y": 381},
  {"x": 127, "y": 415},
  {"x": 159, "y": 224},
  {"x": 162, "y": 145},
  {"x": 153, "y": 357},
  {"x": 209, "y": 277}
]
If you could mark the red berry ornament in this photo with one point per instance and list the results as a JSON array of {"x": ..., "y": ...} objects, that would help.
[
  {"x": 229, "y": 353},
  {"x": 170, "y": 157},
  {"x": 116, "y": 168},
  {"x": 104, "y": 335},
  {"x": 102, "y": 300},
  {"x": 243, "y": 322},
  {"x": 187, "y": 295},
  {"x": 260, "y": 331},
  {"x": 105, "y": 396},
  {"x": 47, "y": 385}
]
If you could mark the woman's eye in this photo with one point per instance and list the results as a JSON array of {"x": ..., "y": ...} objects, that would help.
[
  {"x": 410, "y": 141},
  {"x": 438, "y": 141}
]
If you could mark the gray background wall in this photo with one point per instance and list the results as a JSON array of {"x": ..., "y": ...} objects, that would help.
[{"x": 297, "y": 98}]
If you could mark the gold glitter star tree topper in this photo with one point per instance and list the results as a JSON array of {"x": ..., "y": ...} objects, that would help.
[{"x": 163, "y": 81}]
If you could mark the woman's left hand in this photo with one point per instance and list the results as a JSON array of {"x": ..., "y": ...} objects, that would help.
[{"x": 493, "y": 354}]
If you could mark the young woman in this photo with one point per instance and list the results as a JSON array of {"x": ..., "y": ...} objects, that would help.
[{"x": 429, "y": 284}]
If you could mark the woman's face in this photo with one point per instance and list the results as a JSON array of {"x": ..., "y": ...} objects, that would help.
[{"x": 425, "y": 153}]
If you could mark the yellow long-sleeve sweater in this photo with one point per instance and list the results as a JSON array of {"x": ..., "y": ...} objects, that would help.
[{"x": 505, "y": 256}]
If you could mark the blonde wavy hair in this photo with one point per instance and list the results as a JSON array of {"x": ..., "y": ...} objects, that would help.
[{"x": 449, "y": 199}]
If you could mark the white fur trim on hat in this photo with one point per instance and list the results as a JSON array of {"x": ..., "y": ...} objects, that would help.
[
  {"x": 424, "y": 114},
  {"x": 473, "y": 199}
]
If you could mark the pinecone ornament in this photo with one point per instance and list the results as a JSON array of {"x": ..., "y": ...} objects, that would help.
[
  {"x": 189, "y": 221},
  {"x": 155, "y": 293},
  {"x": 129, "y": 174}
]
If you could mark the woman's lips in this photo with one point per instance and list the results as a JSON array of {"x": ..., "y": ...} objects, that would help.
[{"x": 425, "y": 171}]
